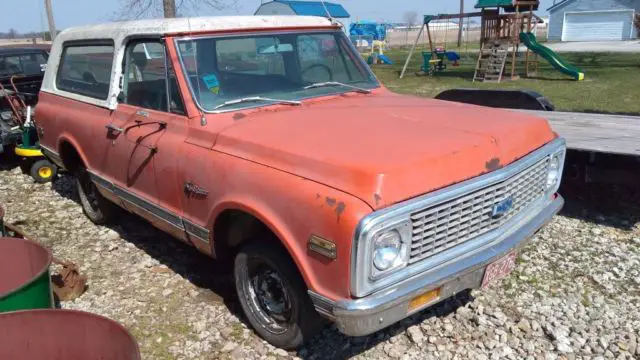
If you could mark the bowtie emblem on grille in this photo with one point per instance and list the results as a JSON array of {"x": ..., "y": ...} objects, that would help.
[{"x": 502, "y": 207}]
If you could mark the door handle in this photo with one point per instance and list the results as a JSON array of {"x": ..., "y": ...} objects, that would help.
[{"x": 113, "y": 128}]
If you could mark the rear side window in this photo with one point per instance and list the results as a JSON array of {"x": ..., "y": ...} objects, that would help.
[{"x": 86, "y": 70}]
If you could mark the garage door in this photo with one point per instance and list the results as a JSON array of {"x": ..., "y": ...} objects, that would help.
[{"x": 597, "y": 26}]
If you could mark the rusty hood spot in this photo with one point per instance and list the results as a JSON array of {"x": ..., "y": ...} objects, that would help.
[
  {"x": 239, "y": 116},
  {"x": 340, "y": 209},
  {"x": 330, "y": 201},
  {"x": 493, "y": 164}
]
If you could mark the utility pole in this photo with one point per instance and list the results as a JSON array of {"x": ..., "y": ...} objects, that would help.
[
  {"x": 169, "y": 7},
  {"x": 52, "y": 24},
  {"x": 460, "y": 23}
]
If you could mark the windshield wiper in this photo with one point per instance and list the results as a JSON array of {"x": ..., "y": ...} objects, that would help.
[
  {"x": 336, "y": 83},
  {"x": 257, "y": 98}
]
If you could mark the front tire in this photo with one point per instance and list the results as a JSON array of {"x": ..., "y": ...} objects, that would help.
[
  {"x": 98, "y": 209},
  {"x": 273, "y": 296}
]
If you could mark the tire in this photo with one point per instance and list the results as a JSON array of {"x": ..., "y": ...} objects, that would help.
[
  {"x": 261, "y": 265},
  {"x": 98, "y": 209},
  {"x": 43, "y": 171}
]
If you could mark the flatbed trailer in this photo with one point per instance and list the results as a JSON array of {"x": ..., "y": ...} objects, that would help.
[
  {"x": 602, "y": 133},
  {"x": 603, "y": 148}
]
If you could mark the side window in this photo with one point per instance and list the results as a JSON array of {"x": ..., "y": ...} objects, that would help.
[
  {"x": 145, "y": 78},
  {"x": 86, "y": 70}
]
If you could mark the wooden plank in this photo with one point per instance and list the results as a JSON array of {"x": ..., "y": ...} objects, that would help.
[{"x": 615, "y": 134}]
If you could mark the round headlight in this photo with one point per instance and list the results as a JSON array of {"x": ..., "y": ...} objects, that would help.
[
  {"x": 554, "y": 171},
  {"x": 386, "y": 250}
]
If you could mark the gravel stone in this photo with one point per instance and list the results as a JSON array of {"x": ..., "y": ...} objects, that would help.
[{"x": 574, "y": 293}]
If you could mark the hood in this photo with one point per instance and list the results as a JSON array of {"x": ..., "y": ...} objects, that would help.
[{"x": 384, "y": 148}]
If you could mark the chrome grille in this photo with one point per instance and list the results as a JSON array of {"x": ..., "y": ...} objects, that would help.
[{"x": 456, "y": 221}]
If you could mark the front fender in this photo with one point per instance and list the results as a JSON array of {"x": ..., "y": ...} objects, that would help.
[{"x": 294, "y": 208}]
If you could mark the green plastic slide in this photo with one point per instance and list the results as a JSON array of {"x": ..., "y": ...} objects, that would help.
[{"x": 554, "y": 59}]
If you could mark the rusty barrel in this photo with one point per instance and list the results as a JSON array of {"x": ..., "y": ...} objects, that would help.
[
  {"x": 64, "y": 334},
  {"x": 24, "y": 275}
]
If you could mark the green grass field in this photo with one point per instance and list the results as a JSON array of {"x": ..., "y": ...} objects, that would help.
[{"x": 612, "y": 83}]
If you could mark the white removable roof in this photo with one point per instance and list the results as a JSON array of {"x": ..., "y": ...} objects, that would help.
[{"x": 119, "y": 32}]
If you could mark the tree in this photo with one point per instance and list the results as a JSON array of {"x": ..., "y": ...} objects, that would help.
[
  {"x": 460, "y": 23},
  {"x": 12, "y": 33},
  {"x": 410, "y": 18},
  {"x": 136, "y": 9}
]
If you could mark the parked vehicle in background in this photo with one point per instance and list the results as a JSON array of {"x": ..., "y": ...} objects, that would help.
[
  {"x": 21, "y": 69},
  {"x": 267, "y": 140}
]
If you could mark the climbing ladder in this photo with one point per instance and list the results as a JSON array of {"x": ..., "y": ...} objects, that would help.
[{"x": 491, "y": 60}]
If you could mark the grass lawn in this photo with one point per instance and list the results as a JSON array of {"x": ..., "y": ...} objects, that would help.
[{"x": 611, "y": 85}]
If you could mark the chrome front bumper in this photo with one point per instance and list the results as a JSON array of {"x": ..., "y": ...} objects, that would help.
[{"x": 363, "y": 316}]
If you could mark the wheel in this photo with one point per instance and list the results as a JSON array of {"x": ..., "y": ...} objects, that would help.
[
  {"x": 43, "y": 171},
  {"x": 273, "y": 296},
  {"x": 98, "y": 209}
]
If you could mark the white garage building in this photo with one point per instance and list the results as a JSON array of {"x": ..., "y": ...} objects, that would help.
[{"x": 593, "y": 20}]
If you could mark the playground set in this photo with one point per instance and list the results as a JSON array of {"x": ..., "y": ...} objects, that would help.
[
  {"x": 505, "y": 26},
  {"x": 374, "y": 36}
]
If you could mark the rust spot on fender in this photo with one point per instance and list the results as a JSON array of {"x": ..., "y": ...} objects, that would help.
[
  {"x": 340, "y": 209},
  {"x": 330, "y": 201},
  {"x": 239, "y": 116},
  {"x": 377, "y": 199},
  {"x": 493, "y": 164}
]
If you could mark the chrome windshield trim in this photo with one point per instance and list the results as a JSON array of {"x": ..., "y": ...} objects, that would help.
[
  {"x": 377, "y": 219},
  {"x": 348, "y": 43}
]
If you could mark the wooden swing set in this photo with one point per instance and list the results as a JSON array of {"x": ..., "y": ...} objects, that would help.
[{"x": 499, "y": 37}]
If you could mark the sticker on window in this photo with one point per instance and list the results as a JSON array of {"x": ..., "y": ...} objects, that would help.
[{"x": 212, "y": 83}]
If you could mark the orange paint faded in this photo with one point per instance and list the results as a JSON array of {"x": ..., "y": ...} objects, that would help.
[{"x": 315, "y": 169}]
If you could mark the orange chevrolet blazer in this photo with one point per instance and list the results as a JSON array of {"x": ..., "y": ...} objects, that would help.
[{"x": 268, "y": 141}]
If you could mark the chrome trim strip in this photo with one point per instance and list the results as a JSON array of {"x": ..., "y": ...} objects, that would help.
[
  {"x": 196, "y": 230},
  {"x": 52, "y": 155},
  {"x": 358, "y": 317},
  {"x": 264, "y": 33},
  {"x": 157, "y": 211},
  {"x": 150, "y": 207},
  {"x": 372, "y": 222},
  {"x": 322, "y": 304}
]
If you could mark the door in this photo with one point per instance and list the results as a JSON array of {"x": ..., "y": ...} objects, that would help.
[
  {"x": 598, "y": 25},
  {"x": 145, "y": 128}
]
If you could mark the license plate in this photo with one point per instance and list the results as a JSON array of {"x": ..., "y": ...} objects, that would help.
[{"x": 499, "y": 269}]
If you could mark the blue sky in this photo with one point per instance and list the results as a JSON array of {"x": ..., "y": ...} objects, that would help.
[{"x": 28, "y": 15}]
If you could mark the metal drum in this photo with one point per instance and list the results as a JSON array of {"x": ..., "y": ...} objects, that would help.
[
  {"x": 24, "y": 275},
  {"x": 62, "y": 335}
]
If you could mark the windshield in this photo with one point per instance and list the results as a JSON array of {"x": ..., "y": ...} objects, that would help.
[
  {"x": 25, "y": 64},
  {"x": 274, "y": 66}
]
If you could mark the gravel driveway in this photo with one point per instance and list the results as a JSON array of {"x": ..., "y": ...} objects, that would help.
[{"x": 575, "y": 292}]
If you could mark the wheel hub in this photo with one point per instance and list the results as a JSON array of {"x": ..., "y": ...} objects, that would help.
[{"x": 271, "y": 294}]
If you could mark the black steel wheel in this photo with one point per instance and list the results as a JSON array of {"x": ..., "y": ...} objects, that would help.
[
  {"x": 273, "y": 296},
  {"x": 98, "y": 209}
]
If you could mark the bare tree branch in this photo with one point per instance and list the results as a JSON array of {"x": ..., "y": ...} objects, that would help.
[
  {"x": 411, "y": 18},
  {"x": 137, "y": 9}
]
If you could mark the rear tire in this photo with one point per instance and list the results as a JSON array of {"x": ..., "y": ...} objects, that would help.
[
  {"x": 274, "y": 297},
  {"x": 98, "y": 209}
]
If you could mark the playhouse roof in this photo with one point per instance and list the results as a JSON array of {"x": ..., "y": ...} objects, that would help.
[
  {"x": 316, "y": 8},
  {"x": 503, "y": 3}
]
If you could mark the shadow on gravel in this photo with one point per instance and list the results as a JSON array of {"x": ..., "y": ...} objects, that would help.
[
  {"x": 331, "y": 344},
  {"x": 611, "y": 205},
  {"x": 214, "y": 278}
]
